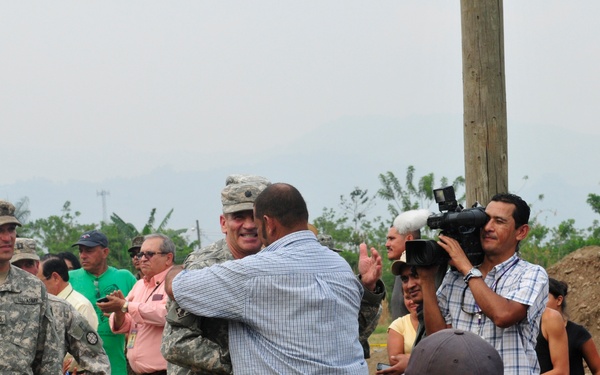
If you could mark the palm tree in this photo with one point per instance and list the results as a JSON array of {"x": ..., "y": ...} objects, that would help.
[{"x": 22, "y": 211}]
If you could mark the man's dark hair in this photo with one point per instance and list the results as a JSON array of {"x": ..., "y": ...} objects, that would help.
[
  {"x": 71, "y": 257},
  {"x": 55, "y": 265},
  {"x": 48, "y": 256},
  {"x": 521, "y": 211},
  {"x": 282, "y": 202}
]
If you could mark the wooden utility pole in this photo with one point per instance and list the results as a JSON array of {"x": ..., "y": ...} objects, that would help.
[{"x": 484, "y": 100}]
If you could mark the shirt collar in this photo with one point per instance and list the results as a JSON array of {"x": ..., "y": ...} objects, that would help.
[
  {"x": 289, "y": 239},
  {"x": 500, "y": 269},
  {"x": 158, "y": 278}
]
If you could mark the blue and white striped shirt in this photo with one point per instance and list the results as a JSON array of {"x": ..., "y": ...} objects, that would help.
[
  {"x": 516, "y": 280},
  {"x": 293, "y": 308}
]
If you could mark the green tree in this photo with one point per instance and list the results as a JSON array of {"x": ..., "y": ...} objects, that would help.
[
  {"x": 410, "y": 196},
  {"x": 56, "y": 233},
  {"x": 22, "y": 211},
  {"x": 594, "y": 202},
  {"x": 126, "y": 231}
]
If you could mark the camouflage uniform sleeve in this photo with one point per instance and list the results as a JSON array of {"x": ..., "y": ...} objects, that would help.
[
  {"x": 48, "y": 343},
  {"x": 185, "y": 345},
  {"x": 368, "y": 317},
  {"x": 192, "y": 342},
  {"x": 85, "y": 345}
]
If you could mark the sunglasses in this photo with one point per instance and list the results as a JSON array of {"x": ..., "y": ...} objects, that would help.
[
  {"x": 148, "y": 254},
  {"x": 133, "y": 254}
]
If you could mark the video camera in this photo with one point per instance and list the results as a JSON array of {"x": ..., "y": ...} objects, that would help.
[{"x": 461, "y": 224}]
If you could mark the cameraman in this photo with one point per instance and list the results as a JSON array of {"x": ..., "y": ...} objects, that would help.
[{"x": 502, "y": 299}]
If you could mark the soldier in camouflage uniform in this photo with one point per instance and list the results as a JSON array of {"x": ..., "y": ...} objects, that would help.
[
  {"x": 200, "y": 345},
  {"x": 29, "y": 341},
  {"x": 79, "y": 338},
  {"x": 75, "y": 334}
]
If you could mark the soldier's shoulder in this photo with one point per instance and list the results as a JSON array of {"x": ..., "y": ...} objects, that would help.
[
  {"x": 216, "y": 252},
  {"x": 25, "y": 283}
]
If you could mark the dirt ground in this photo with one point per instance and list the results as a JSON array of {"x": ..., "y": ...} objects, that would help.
[
  {"x": 378, "y": 354},
  {"x": 580, "y": 269}
]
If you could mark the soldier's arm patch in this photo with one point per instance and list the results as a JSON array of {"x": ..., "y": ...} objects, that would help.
[{"x": 92, "y": 338}]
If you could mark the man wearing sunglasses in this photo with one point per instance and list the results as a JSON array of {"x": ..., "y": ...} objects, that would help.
[
  {"x": 142, "y": 313},
  {"x": 503, "y": 298},
  {"x": 96, "y": 279},
  {"x": 136, "y": 245},
  {"x": 29, "y": 342}
]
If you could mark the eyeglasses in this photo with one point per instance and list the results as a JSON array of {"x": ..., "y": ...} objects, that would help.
[
  {"x": 133, "y": 254},
  {"x": 148, "y": 254},
  {"x": 473, "y": 307},
  {"x": 97, "y": 289}
]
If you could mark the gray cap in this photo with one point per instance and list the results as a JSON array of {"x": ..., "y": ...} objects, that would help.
[
  {"x": 24, "y": 249},
  {"x": 7, "y": 213},
  {"x": 327, "y": 241},
  {"x": 241, "y": 191},
  {"x": 452, "y": 351}
]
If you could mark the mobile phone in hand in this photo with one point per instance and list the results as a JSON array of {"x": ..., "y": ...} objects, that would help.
[
  {"x": 382, "y": 366},
  {"x": 102, "y": 300}
]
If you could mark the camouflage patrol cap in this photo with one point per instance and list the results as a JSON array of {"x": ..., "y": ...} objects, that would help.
[
  {"x": 241, "y": 191},
  {"x": 7, "y": 213},
  {"x": 327, "y": 241},
  {"x": 136, "y": 243},
  {"x": 24, "y": 249}
]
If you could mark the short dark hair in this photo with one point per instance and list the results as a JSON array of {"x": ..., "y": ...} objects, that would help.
[
  {"x": 49, "y": 256},
  {"x": 71, "y": 257},
  {"x": 521, "y": 212},
  {"x": 282, "y": 202},
  {"x": 55, "y": 265}
]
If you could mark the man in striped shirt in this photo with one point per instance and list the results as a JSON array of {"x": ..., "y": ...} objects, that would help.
[{"x": 292, "y": 307}]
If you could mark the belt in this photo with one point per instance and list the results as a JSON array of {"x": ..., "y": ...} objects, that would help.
[{"x": 161, "y": 372}]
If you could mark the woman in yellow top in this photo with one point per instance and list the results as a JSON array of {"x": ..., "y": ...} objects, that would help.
[{"x": 403, "y": 331}]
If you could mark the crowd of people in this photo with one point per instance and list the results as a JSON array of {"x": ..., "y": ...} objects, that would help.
[
  {"x": 272, "y": 298},
  {"x": 505, "y": 301}
]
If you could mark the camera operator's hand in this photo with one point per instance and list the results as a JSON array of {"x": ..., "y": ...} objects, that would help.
[
  {"x": 427, "y": 274},
  {"x": 458, "y": 258}
]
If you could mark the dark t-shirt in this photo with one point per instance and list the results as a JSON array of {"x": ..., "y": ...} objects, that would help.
[{"x": 577, "y": 336}]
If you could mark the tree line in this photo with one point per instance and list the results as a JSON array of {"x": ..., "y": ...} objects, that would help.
[{"x": 350, "y": 224}]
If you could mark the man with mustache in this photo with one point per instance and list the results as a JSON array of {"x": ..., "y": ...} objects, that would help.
[{"x": 502, "y": 299}]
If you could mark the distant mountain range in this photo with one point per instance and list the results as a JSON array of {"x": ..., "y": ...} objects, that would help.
[{"x": 331, "y": 162}]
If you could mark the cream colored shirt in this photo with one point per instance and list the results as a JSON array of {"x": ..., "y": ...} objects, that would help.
[
  {"x": 81, "y": 304},
  {"x": 404, "y": 326}
]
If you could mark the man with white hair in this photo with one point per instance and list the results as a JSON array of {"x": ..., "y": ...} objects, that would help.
[{"x": 407, "y": 226}]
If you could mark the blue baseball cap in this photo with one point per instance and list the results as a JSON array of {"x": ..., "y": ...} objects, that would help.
[{"x": 92, "y": 238}]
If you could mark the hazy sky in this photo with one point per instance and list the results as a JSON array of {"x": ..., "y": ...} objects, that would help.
[{"x": 97, "y": 90}]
